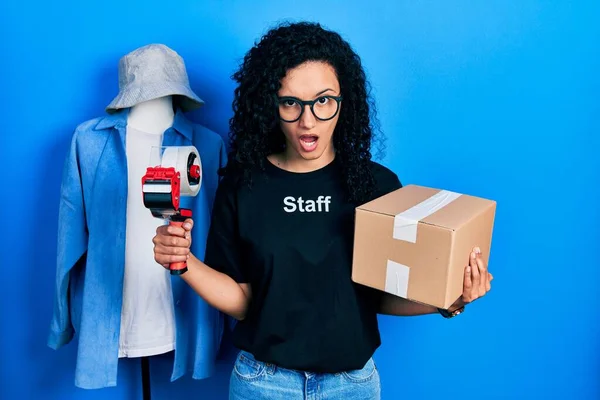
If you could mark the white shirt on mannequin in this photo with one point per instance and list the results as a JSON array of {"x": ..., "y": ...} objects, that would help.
[{"x": 147, "y": 317}]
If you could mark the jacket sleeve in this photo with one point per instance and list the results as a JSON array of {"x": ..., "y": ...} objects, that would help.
[{"x": 71, "y": 246}]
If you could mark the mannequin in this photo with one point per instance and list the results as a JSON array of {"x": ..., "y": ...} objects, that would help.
[
  {"x": 147, "y": 315},
  {"x": 110, "y": 295}
]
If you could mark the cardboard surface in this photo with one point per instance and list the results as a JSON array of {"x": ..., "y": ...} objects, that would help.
[{"x": 415, "y": 242}]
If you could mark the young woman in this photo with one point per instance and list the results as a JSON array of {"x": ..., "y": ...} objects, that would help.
[{"x": 277, "y": 261}]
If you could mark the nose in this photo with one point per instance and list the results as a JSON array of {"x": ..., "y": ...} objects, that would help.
[{"x": 307, "y": 120}]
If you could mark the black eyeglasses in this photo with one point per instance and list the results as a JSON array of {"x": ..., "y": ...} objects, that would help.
[{"x": 323, "y": 108}]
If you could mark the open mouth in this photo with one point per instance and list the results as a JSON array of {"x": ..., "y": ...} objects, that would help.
[{"x": 309, "y": 142}]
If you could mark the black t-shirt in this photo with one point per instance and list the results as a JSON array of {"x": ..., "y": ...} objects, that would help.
[{"x": 290, "y": 236}]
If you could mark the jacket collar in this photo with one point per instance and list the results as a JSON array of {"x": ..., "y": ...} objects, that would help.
[{"x": 119, "y": 120}]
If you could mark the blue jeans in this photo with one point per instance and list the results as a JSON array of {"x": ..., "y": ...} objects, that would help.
[{"x": 254, "y": 380}]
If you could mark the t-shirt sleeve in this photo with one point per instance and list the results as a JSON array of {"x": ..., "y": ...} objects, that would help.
[
  {"x": 386, "y": 181},
  {"x": 223, "y": 248}
]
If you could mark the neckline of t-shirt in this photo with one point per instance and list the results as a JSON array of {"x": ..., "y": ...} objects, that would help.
[
  {"x": 142, "y": 132},
  {"x": 325, "y": 170}
]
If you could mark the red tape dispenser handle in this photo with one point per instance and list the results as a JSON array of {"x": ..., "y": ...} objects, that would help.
[
  {"x": 161, "y": 189},
  {"x": 178, "y": 268}
]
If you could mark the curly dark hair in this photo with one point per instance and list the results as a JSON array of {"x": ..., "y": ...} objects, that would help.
[{"x": 254, "y": 128}]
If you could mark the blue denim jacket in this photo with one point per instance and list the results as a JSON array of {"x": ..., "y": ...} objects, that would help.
[{"x": 91, "y": 252}]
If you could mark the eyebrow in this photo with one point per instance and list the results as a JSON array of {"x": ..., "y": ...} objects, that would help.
[
  {"x": 323, "y": 91},
  {"x": 316, "y": 95}
]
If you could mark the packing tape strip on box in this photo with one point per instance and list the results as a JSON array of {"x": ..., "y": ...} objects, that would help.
[{"x": 405, "y": 228}]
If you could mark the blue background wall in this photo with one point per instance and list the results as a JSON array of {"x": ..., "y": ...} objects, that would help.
[{"x": 498, "y": 99}]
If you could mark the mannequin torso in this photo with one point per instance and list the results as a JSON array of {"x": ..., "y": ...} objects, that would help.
[{"x": 147, "y": 318}]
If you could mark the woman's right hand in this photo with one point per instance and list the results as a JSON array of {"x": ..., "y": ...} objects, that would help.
[{"x": 172, "y": 243}]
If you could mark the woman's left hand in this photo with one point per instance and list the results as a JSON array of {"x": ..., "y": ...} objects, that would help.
[{"x": 477, "y": 280}]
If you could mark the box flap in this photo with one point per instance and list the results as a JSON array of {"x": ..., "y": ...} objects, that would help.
[
  {"x": 459, "y": 212},
  {"x": 399, "y": 200},
  {"x": 429, "y": 206}
]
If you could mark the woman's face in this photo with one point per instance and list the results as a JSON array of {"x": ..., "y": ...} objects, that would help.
[{"x": 309, "y": 137}]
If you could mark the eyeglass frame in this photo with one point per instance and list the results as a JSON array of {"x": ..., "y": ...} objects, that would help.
[{"x": 311, "y": 104}]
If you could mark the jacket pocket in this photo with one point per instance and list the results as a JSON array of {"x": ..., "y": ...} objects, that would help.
[{"x": 248, "y": 368}]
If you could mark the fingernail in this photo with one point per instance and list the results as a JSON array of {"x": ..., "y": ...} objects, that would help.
[
  {"x": 187, "y": 226},
  {"x": 468, "y": 269},
  {"x": 188, "y": 256},
  {"x": 473, "y": 255},
  {"x": 477, "y": 250}
]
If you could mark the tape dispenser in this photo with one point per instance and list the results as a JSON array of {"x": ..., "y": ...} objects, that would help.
[{"x": 174, "y": 171}]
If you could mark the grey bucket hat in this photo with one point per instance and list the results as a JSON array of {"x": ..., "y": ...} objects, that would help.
[{"x": 150, "y": 72}]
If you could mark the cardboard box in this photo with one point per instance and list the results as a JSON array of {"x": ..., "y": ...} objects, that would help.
[{"x": 415, "y": 242}]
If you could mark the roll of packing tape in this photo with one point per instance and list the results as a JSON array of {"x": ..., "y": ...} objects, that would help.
[{"x": 182, "y": 158}]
